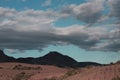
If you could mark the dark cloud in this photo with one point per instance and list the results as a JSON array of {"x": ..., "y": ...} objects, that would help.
[
  {"x": 115, "y": 8},
  {"x": 11, "y": 39}
]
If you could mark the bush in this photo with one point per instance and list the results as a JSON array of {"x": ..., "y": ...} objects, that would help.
[
  {"x": 71, "y": 72},
  {"x": 53, "y": 78},
  {"x": 19, "y": 76},
  {"x": 21, "y": 67},
  {"x": 1, "y": 67},
  {"x": 22, "y": 76},
  {"x": 116, "y": 78}
]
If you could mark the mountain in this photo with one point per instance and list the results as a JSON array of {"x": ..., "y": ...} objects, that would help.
[
  {"x": 57, "y": 59},
  {"x": 52, "y": 58},
  {"x": 5, "y": 58}
]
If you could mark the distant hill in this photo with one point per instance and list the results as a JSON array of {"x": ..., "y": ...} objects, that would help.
[
  {"x": 57, "y": 59},
  {"x": 84, "y": 64},
  {"x": 5, "y": 58},
  {"x": 52, "y": 58}
]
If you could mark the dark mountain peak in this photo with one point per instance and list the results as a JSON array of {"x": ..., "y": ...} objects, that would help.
[
  {"x": 58, "y": 59},
  {"x": 53, "y": 54},
  {"x": 1, "y": 50},
  {"x": 1, "y": 53}
]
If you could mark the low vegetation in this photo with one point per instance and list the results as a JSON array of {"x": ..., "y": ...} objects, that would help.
[
  {"x": 53, "y": 78},
  {"x": 1, "y": 67},
  {"x": 116, "y": 78},
  {"x": 69, "y": 73},
  {"x": 21, "y": 67},
  {"x": 22, "y": 76}
]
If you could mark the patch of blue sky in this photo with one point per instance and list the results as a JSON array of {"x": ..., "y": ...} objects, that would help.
[
  {"x": 66, "y": 22},
  {"x": 36, "y": 4}
]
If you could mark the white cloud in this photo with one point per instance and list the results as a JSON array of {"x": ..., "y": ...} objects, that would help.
[
  {"x": 89, "y": 12},
  {"x": 26, "y": 20},
  {"x": 13, "y": 51}
]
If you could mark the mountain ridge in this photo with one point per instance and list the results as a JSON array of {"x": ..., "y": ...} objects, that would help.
[{"x": 52, "y": 58}]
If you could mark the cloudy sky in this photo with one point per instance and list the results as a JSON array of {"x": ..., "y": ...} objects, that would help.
[{"x": 87, "y": 30}]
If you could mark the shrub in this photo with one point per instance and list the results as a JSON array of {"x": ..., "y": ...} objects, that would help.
[
  {"x": 22, "y": 76},
  {"x": 71, "y": 72},
  {"x": 20, "y": 67},
  {"x": 118, "y": 61},
  {"x": 1, "y": 67},
  {"x": 116, "y": 78},
  {"x": 53, "y": 78},
  {"x": 19, "y": 76}
]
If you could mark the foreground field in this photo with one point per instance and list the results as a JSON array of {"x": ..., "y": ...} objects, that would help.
[
  {"x": 20, "y": 71},
  {"x": 110, "y": 72}
]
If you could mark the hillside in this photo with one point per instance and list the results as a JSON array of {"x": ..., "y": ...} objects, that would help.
[
  {"x": 109, "y": 72},
  {"x": 21, "y": 71}
]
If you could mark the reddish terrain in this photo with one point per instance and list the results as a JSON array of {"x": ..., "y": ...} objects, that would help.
[
  {"x": 21, "y": 71},
  {"x": 98, "y": 73}
]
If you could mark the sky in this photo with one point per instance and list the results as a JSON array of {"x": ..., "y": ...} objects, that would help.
[{"x": 86, "y": 30}]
